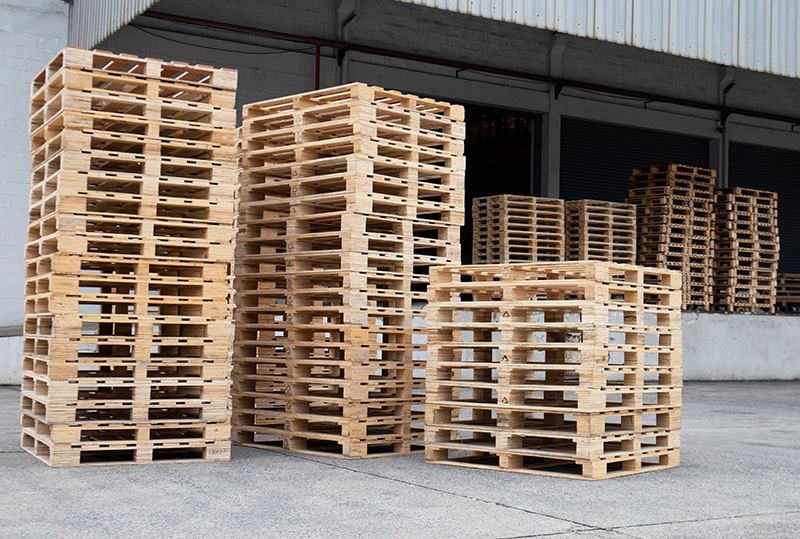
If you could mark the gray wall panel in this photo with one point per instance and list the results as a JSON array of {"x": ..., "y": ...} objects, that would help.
[
  {"x": 760, "y": 35},
  {"x": 91, "y": 21}
]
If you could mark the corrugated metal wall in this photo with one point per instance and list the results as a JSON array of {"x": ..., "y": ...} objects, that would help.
[
  {"x": 91, "y": 21},
  {"x": 597, "y": 159},
  {"x": 761, "y": 35}
]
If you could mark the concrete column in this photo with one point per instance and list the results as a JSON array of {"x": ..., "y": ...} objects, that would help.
[
  {"x": 722, "y": 176},
  {"x": 551, "y": 124},
  {"x": 346, "y": 13},
  {"x": 551, "y": 148},
  {"x": 716, "y": 156},
  {"x": 727, "y": 80}
]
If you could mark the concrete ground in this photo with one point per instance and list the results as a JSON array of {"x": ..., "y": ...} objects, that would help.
[{"x": 739, "y": 477}]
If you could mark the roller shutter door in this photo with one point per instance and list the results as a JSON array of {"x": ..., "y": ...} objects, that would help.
[
  {"x": 597, "y": 158},
  {"x": 772, "y": 169}
]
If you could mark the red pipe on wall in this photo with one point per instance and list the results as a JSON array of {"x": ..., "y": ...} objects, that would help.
[
  {"x": 317, "y": 59},
  {"x": 339, "y": 45}
]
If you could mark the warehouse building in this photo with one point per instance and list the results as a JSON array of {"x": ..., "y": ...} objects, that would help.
[{"x": 563, "y": 98}]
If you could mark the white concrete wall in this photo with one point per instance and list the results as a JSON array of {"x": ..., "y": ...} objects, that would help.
[
  {"x": 740, "y": 347},
  {"x": 31, "y": 33},
  {"x": 10, "y": 360}
]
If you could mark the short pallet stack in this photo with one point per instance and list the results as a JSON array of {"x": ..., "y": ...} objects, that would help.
[
  {"x": 511, "y": 228},
  {"x": 600, "y": 230},
  {"x": 568, "y": 369},
  {"x": 675, "y": 211},
  {"x": 746, "y": 248},
  {"x": 128, "y": 324},
  {"x": 349, "y": 196},
  {"x": 788, "y": 292}
]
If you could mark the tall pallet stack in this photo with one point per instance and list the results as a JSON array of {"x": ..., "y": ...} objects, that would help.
[
  {"x": 675, "y": 212},
  {"x": 600, "y": 230},
  {"x": 349, "y": 196},
  {"x": 511, "y": 228},
  {"x": 746, "y": 247},
  {"x": 568, "y": 369},
  {"x": 128, "y": 325}
]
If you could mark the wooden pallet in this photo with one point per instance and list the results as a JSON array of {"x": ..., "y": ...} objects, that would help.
[
  {"x": 128, "y": 64},
  {"x": 130, "y": 443},
  {"x": 571, "y": 369},
  {"x": 123, "y": 111},
  {"x": 705, "y": 175},
  {"x": 509, "y": 228},
  {"x": 132, "y": 89},
  {"x": 377, "y": 98},
  {"x": 275, "y": 135},
  {"x": 746, "y": 251},
  {"x": 375, "y": 195},
  {"x": 129, "y": 144},
  {"x": 599, "y": 230},
  {"x": 128, "y": 323}
]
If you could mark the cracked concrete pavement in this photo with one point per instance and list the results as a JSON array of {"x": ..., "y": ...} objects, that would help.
[{"x": 739, "y": 477}]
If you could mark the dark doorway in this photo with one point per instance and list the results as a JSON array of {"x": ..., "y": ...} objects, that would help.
[{"x": 498, "y": 152}]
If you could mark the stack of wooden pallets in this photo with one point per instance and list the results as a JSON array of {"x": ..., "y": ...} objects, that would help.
[
  {"x": 570, "y": 369},
  {"x": 788, "y": 292},
  {"x": 600, "y": 230},
  {"x": 128, "y": 326},
  {"x": 511, "y": 228},
  {"x": 675, "y": 211},
  {"x": 349, "y": 196},
  {"x": 746, "y": 247}
]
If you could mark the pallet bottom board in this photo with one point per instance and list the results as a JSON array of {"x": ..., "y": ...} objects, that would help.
[
  {"x": 266, "y": 438},
  {"x": 60, "y": 458},
  {"x": 571, "y": 470},
  {"x": 329, "y": 450}
]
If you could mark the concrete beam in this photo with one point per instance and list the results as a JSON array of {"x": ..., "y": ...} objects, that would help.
[
  {"x": 551, "y": 149},
  {"x": 727, "y": 81}
]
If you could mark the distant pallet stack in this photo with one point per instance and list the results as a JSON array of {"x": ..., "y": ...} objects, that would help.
[
  {"x": 746, "y": 248},
  {"x": 128, "y": 325},
  {"x": 675, "y": 211},
  {"x": 349, "y": 196},
  {"x": 511, "y": 228},
  {"x": 788, "y": 292},
  {"x": 600, "y": 230},
  {"x": 569, "y": 369}
]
